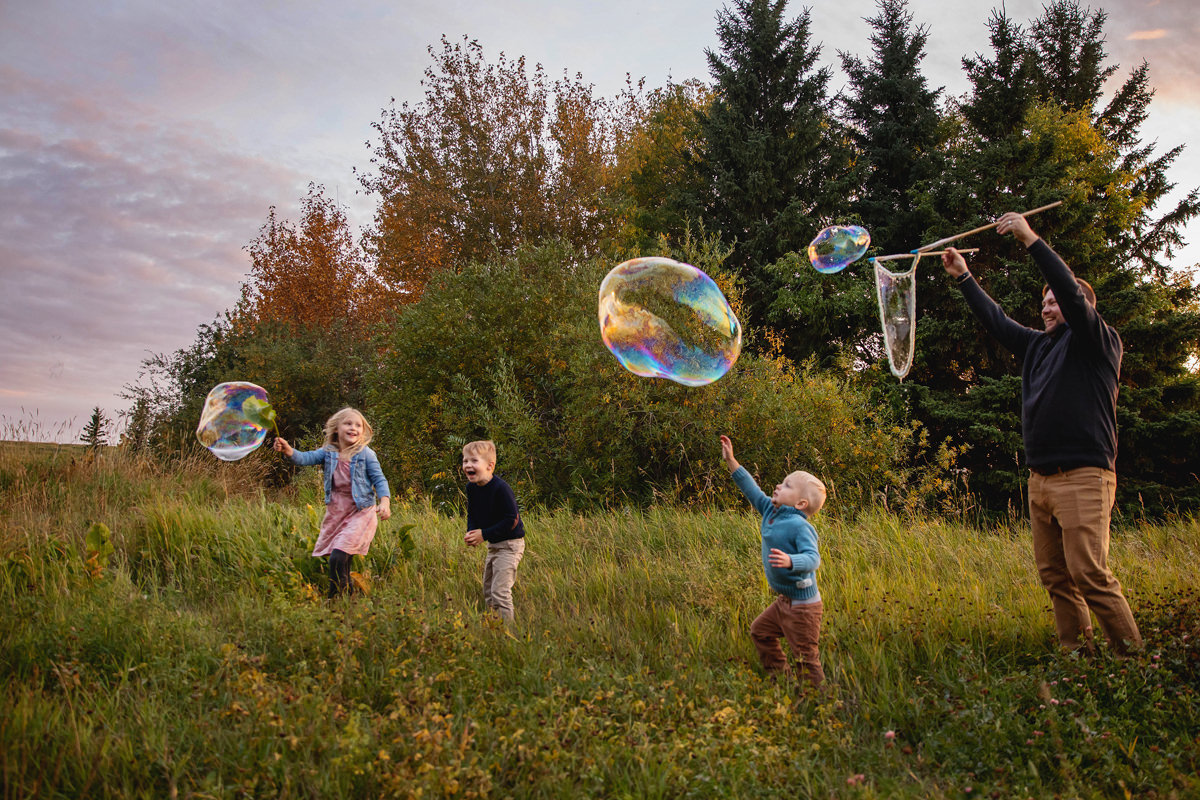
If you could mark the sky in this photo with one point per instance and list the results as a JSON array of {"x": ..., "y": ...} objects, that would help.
[{"x": 143, "y": 143}]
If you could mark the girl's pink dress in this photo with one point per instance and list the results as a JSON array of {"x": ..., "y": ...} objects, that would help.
[{"x": 345, "y": 527}]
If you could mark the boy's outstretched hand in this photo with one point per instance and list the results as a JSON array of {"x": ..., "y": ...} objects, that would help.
[
  {"x": 282, "y": 446},
  {"x": 727, "y": 453}
]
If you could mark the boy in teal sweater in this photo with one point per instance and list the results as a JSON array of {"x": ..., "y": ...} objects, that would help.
[{"x": 790, "y": 560}]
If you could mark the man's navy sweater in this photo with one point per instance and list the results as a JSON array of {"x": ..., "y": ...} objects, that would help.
[{"x": 1069, "y": 376}]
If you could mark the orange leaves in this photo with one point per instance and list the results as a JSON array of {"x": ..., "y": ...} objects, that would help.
[
  {"x": 311, "y": 274},
  {"x": 492, "y": 159}
]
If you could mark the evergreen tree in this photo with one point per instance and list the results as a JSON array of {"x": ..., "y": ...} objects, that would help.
[
  {"x": 1067, "y": 45},
  {"x": 773, "y": 159},
  {"x": 1002, "y": 86},
  {"x": 894, "y": 124},
  {"x": 1024, "y": 146},
  {"x": 95, "y": 432}
]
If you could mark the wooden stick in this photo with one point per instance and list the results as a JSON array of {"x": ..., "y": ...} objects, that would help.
[
  {"x": 981, "y": 228},
  {"x": 898, "y": 256}
]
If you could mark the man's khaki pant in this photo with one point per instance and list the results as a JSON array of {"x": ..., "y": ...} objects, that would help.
[
  {"x": 1070, "y": 513},
  {"x": 500, "y": 573}
]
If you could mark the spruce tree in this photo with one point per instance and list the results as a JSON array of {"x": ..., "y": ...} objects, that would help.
[
  {"x": 1003, "y": 85},
  {"x": 1023, "y": 147},
  {"x": 891, "y": 120},
  {"x": 894, "y": 124},
  {"x": 95, "y": 432},
  {"x": 773, "y": 161}
]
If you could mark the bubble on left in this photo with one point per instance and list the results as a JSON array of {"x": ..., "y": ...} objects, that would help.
[
  {"x": 235, "y": 419},
  {"x": 665, "y": 319}
]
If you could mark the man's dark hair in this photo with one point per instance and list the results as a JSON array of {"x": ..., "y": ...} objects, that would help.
[{"x": 1089, "y": 293}]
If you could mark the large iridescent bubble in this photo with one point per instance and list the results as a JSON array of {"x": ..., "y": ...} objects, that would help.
[
  {"x": 837, "y": 247},
  {"x": 665, "y": 319},
  {"x": 235, "y": 419}
]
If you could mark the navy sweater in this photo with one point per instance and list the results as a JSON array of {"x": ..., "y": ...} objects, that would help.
[
  {"x": 492, "y": 508},
  {"x": 1069, "y": 377}
]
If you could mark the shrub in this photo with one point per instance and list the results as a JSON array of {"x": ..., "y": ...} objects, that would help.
[{"x": 510, "y": 351}]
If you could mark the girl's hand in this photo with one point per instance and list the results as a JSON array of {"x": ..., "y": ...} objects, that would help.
[
  {"x": 385, "y": 508},
  {"x": 282, "y": 446},
  {"x": 778, "y": 558},
  {"x": 473, "y": 537}
]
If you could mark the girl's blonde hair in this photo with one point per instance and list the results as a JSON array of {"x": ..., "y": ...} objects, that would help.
[{"x": 331, "y": 426}]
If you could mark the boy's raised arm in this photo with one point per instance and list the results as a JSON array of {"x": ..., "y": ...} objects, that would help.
[
  {"x": 727, "y": 453},
  {"x": 749, "y": 488}
]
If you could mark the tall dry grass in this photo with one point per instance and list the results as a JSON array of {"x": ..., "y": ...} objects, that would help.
[{"x": 202, "y": 662}]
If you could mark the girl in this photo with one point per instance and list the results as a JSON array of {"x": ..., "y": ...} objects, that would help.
[{"x": 353, "y": 479}]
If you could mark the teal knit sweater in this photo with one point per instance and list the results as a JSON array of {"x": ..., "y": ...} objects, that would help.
[{"x": 785, "y": 528}]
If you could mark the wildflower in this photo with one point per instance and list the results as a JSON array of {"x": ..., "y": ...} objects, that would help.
[
  {"x": 855, "y": 780},
  {"x": 889, "y": 735}
]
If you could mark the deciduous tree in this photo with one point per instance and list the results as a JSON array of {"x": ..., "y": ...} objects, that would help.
[
  {"x": 311, "y": 274},
  {"x": 493, "y": 157}
]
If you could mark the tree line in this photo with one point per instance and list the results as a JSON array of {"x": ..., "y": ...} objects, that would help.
[{"x": 467, "y": 306}]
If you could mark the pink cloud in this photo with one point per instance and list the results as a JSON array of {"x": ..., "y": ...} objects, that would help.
[
  {"x": 1142, "y": 36},
  {"x": 126, "y": 233}
]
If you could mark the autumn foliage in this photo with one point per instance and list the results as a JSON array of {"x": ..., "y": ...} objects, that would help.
[{"x": 312, "y": 274}]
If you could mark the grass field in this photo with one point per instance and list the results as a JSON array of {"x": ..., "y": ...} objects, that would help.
[{"x": 199, "y": 660}]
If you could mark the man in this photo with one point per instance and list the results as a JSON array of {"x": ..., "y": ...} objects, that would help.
[{"x": 1069, "y": 423}]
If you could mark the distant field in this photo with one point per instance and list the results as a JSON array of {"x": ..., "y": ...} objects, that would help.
[{"x": 199, "y": 659}]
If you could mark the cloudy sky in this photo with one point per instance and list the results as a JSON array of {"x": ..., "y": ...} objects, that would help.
[{"x": 142, "y": 143}]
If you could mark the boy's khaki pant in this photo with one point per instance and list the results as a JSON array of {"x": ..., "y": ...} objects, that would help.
[
  {"x": 801, "y": 626},
  {"x": 500, "y": 573},
  {"x": 1070, "y": 513}
]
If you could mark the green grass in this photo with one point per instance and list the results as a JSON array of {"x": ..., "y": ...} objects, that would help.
[{"x": 200, "y": 660}]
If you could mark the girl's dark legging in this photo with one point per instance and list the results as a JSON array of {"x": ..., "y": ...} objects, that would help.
[{"x": 339, "y": 572}]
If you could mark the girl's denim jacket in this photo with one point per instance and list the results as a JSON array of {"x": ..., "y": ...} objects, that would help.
[{"x": 366, "y": 476}]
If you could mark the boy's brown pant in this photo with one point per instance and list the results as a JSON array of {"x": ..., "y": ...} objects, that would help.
[
  {"x": 1070, "y": 513},
  {"x": 801, "y": 626}
]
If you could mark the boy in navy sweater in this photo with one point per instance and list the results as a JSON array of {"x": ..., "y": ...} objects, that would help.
[
  {"x": 790, "y": 560},
  {"x": 493, "y": 517}
]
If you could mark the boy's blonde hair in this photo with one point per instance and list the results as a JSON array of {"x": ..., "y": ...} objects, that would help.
[
  {"x": 331, "y": 426},
  {"x": 812, "y": 490},
  {"x": 484, "y": 447}
]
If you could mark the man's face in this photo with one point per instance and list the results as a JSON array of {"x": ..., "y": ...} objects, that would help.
[{"x": 1051, "y": 314}]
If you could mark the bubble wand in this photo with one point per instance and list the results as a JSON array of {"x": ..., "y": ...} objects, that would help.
[
  {"x": 914, "y": 254},
  {"x": 897, "y": 295},
  {"x": 981, "y": 228}
]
